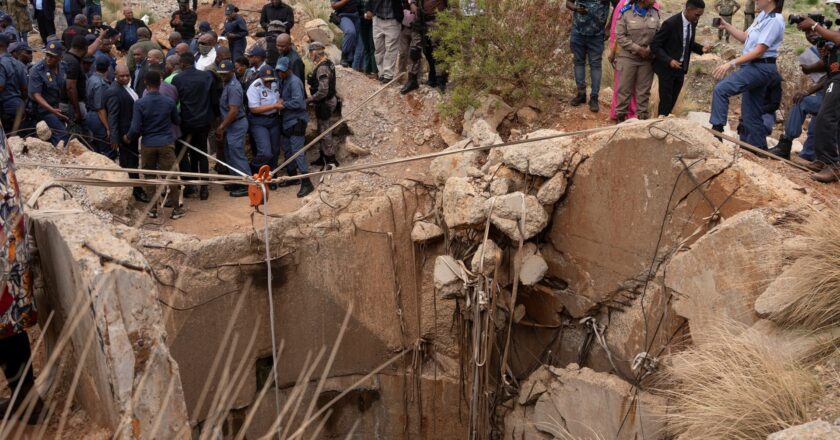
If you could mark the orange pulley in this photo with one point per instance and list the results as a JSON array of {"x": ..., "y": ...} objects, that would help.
[{"x": 255, "y": 193}]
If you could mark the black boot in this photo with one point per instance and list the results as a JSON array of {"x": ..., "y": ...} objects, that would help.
[
  {"x": 239, "y": 191},
  {"x": 442, "y": 80},
  {"x": 306, "y": 187},
  {"x": 719, "y": 129},
  {"x": 578, "y": 100},
  {"x": 140, "y": 195},
  {"x": 289, "y": 182},
  {"x": 410, "y": 85},
  {"x": 782, "y": 149},
  {"x": 204, "y": 192}
]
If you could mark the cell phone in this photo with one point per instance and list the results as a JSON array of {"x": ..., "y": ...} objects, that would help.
[{"x": 716, "y": 22}]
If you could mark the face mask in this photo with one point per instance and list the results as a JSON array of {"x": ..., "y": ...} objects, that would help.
[{"x": 204, "y": 49}]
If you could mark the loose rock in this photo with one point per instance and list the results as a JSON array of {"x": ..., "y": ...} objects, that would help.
[
  {"x": 449, "y": 277},
  {"x": 318, "y": 30},
  {"x": 533, "y": 270},
  {"x": 542, "y": 158},
  {"x": 552, "y": 189},
  {"x": 508, "y": 209},
  {"x": 816, "y": 430},
  {"x": 454, "y": 165},
  {"x": 425, "y": 231},
  {"x": 492, "y": 254},
  {"x": 42, "y": 130},
  {"x": 462, "y": 204}
]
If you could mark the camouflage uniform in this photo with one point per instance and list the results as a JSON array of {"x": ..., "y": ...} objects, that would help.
[
  {"x": 323, "y": 96},
  {"x": 749, "y": 13},
  {"x": 17, "y": 10},
  {"x": 726, "y": 9}
]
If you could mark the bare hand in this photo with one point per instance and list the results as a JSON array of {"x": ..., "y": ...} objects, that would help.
[
  {"x": 723, "y": 23},
  {"x": 368, "y": 15},
  {"x": 676, "y": 65},
  {"x": 125, "y": 139},
  {"x": 805, "y": 24},
  {"x": 220, "y": 133},
  {"x": 707, "y": 49},
  {"x": 280, "y": 105},
  {"x": 721, "y": 70},
  {"x": 413, "y": 8},
  {"x": 644, "y": 52},
  {"x": 60, "y": 116}
]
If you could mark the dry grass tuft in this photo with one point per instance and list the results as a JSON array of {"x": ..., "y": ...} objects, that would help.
[
  {"x": 818, "y": 306},
  {"x": 743, "y": 385}
]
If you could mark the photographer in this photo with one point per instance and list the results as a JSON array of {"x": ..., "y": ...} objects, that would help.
[
  {"x": 806, "y": 102},
  {"x": 758, "y": 70},
  {"x": 825, "y": 129}
]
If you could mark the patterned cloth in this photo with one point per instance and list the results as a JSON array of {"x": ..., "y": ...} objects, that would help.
[
  {"x": 592, "y": 23},
  {"x": 17, "y": 309}
]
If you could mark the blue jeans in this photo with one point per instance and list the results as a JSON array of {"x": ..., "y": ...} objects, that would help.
[
  {"x": 583, "y": 47},
  {"x": 99, "y": 144},
  {"x": 359, "y": 55},
  {"x": 235, "y": 145},
  {"x": 750, "y": 81},
  {"x": 809, "y": 105},
  {"x": 291, "y": 145},
  {"x": 59, "y": 130},
  {"x": 266, "y": 133},
  {"x": 350, "y": 26}
]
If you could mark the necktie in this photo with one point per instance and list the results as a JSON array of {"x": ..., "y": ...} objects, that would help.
[{"x": 686, "y": 48}]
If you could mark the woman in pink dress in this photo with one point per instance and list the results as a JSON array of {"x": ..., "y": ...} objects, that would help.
[{"x": 631, "y": 112}]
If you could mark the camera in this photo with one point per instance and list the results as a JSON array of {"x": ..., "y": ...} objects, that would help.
[{"x": 819, "y": 18}]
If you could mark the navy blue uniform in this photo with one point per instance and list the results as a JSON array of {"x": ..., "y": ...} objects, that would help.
[
  {"x": 232, "y": 94},
  {"x": 235, "y": 31},
  {"x": 50, "y": 84},
  {"x": 95, "y": 94},
  {"x": 13, "y": 82}
]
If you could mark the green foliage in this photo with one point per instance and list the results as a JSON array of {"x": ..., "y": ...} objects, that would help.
[{"x": 514, "y": 48}]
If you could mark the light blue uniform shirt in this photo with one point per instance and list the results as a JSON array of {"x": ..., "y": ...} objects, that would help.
[
  {"x": 769, "y": 30},
  {"x": 260, "y": 95}
]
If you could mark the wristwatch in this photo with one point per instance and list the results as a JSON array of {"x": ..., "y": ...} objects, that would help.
[{"x": 814, "y": 26}]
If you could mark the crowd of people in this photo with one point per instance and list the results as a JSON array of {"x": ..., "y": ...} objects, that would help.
[
  {"x": 249, "y": 105},
  {"x": 643, "y": 44}
]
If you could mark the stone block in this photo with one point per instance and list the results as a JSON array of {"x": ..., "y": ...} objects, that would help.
[
  {"x": 782, "y": 292},
  {"x": 463, "y": 205},
  {"x": 454, "y": 165},
  {"x": 425, "y": 231},
  {"x": 553, "y": 188},
  {"x": 541, "y": 158},
  {"x": 318, "y": 30},
  {"x": 507, "y": 211},
  {"x": 448, "y": 277}
]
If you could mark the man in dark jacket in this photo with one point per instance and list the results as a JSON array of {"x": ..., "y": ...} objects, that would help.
[
  {"x": 183, "y": 21},
  {"x": 387, "y": 16},
  {"x": 672, "y": 47},
  {"x": 197, "y": 114},
  {"x": 79, "y": 26},
  {"x": 119, "y": 103},
  {"x": 128, "y": 27},
  {"x": 277, "y": 10},
  {"x": 72, "y": 8},
  {"x": 45, "y": 16},
  {"x": 285, "y": 48}
]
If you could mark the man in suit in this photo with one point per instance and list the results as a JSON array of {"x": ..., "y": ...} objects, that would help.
[
  {"x": 119, "y": 103},
  {"x": 153, "y": 58},
  {"x": 45, "y": 16},
  {"x": 672, "y": 47}
]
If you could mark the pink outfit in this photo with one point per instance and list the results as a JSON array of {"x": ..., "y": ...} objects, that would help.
[{"x": 631, "y": 112}]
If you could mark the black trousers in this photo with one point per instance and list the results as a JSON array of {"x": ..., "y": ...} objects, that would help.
[
  {"x": 46, "y": 24},
  {"x": 193, "y": 161},
  {"x": 669, "y": 91},
  {"x": 14, "y": 354},
  {"x": 130, "y": 158},
  {"x": 828, "y": 120}
]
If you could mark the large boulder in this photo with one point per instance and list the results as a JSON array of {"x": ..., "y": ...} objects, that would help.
[
  {"x": 554, "y": 188},
  {"x": 463, "y": 205},
  {"x": 507, "y": 210},
  {"x": 491, "y": 108},
  {"x": 454, "y": 165},
  {"x": 816, "y": 430},
  {"x": 113, "y": 199},
  {"x": 318, "y": 30},
  {"x": 724, "y": 272},
  {"x": 541, "y": 158},
  {"x": 782, "y": 292}
]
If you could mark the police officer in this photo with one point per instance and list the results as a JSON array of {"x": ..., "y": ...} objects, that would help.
[
  {"x": 12, "y": 86},
  {"x": 234, "y": 125},
  {"x": 295, "y": 120},
  {"x": 46, "y": 85},
  {"x": 827, "y": 164},
  {"x": 236, "y": 30},
  {"x": 323, "y": 97},
  {"x": 757, "y": 71},
  {"x": 264, "y": 103},
  {"x": 97, "y": 114}
]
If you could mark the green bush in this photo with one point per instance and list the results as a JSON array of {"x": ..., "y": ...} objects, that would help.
[{"x": 516, "y": 49}]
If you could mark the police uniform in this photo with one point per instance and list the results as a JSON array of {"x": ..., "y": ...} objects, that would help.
[
  {"x": 323, "y": 95},
  {"x": 13, "y": 81},
  {"x": 751, "y": 80},
  {"x": 51, "y": 85},
  {"x": 235, "y": 133},
  {"x": 635, "y": 29},
  {"x": 95, "y": 102},
  {"x": 265, "y": 127},
  {"x": 726, "y": 9}
]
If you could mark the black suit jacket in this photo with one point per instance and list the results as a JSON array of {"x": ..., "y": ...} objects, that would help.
[
  {"x": 120, "y": 109},
  {"x": 48, "y": 11},
  {"x": 667, "y": 45}
]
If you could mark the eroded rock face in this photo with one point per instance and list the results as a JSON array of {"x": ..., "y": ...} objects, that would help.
[
  {"x": 724, "y": 272},
  {"x": 580, "y": 403}
]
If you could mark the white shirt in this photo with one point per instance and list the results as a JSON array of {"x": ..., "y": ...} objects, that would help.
[
  {"x": 39, "y": 4},
  {"x": 685, "y": 35},
  {"x": 131, "y": 92},
  {"x": 204, "y": 61}
]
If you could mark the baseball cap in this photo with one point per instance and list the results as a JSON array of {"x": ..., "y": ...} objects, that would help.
[
  {"x": 20, "y": 46},
  {"x": 316, "y": 46},
  {"x": 257, "y": 52},
  {"x": 225, "y": 66},
  {"x": 54, "y": 48},
  {"x": 283, "y": 64},
  {"x": 229, "y": 9},
  {"x": 266, "y": 73},
  {"x": 204, "y": 26}
]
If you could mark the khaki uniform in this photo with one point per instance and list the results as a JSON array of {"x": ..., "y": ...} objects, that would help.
[
  {"x": 749, "y": 13},
  {"x": 726, "y": 8},
  {"x": 17, "y": 10},
  {"x": 635, "y": 74}
]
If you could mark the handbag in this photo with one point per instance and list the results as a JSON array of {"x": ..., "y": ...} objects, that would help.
[{"x": 335, "y": 19}]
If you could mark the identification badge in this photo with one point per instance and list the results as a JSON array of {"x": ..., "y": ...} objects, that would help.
[{"x": 264, "y": 94}]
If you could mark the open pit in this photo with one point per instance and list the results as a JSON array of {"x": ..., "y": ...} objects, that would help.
[{"x": 577, "y": 262}]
